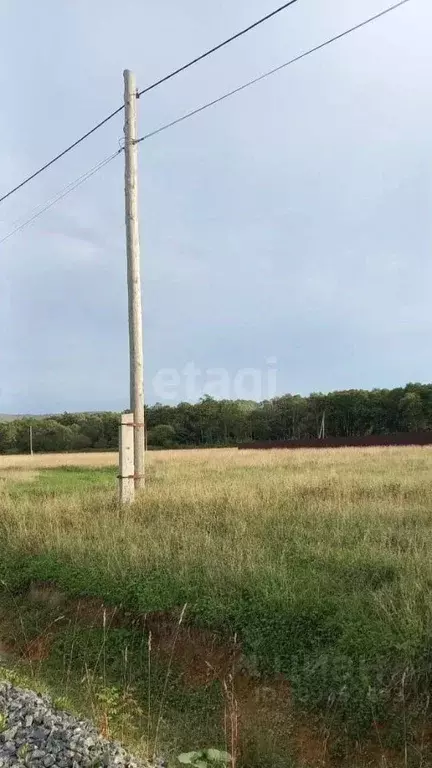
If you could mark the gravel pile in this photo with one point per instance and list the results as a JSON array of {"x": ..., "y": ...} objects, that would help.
[{"x": 34, "y": 733}]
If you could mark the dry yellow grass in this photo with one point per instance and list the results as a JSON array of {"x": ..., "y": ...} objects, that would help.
[
  {"x": 223, "y": 506},
  {"x": 228, "y": 457},
  {"x": 52, "y": 460},
  {"x": 18, "y": 475}
]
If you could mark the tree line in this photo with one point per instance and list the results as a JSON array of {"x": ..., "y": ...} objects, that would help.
[{"x": 213, "y": 422}]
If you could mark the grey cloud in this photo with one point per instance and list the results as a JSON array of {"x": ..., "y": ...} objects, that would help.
[{"x": 292, "y": 221}]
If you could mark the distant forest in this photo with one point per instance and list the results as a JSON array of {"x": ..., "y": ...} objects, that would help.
[{"x": 228, "y": 422}]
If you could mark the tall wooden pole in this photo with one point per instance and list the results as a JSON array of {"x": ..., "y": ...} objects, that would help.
[
  {"x": 31, "y": 439},
  {"x": 134, "y": 278}
]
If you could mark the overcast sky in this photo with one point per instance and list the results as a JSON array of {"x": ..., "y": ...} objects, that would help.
[{"x": 292, "y": 222}]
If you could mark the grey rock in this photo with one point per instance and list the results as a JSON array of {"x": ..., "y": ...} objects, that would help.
[
  {"x": 10, "y": 733},
  {"x": 39, "y": 736},
  {"x": 37, "y": 754}
]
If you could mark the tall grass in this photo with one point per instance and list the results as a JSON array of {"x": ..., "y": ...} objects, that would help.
[
  {"x": 49, "y": 460},
  {"x": 318, "y": 560}
]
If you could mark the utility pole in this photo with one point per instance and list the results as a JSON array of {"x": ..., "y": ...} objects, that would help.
[
  {"x": 134, "y": 278},
  {"x": 322, "y": 428},
  {"x": 31, "y": 439}
]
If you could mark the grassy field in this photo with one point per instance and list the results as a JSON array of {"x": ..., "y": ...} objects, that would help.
[
  {"x": 50, "y": 460},
  {"x": 316, "y": 564}
]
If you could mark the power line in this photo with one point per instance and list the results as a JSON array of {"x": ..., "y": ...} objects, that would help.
[
  {"x": 271, "y": 72},
  {"x": 218, "y": 47},
  {"x": 199, "y": 109},
  {"x": 165, "y": 79},
  {"x": 61, "y": 154},
  {"x": 65, "y": 191}
]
